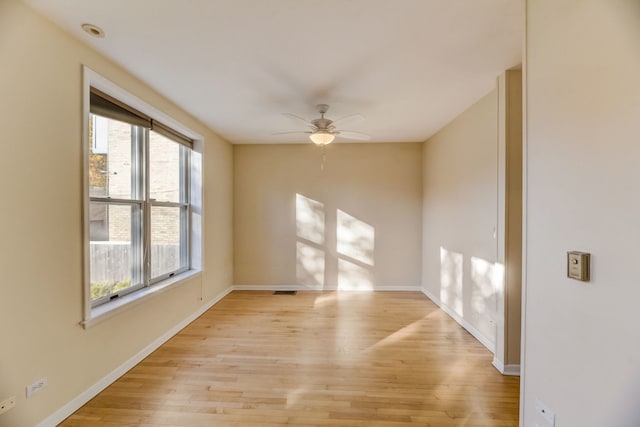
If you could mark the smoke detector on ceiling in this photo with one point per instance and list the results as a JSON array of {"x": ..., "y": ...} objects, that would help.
[{"x": 93, "y": 30}]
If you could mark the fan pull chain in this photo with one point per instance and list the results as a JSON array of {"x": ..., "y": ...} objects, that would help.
[{"x": 324, "y": 158}]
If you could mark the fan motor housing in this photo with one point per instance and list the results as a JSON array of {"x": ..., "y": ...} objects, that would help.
[{"x": 322, "y": 123}]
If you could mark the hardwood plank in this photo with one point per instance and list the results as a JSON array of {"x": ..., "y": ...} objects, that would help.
[{"x": 313, "y": 359}]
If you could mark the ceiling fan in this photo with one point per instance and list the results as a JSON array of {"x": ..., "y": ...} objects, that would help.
[{"x": 322, "y": 130}]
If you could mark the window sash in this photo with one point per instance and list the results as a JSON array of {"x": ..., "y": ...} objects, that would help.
[
  {"x": 185, "y": 243},
  {"x": 135, "y": 251},
  {"x": 185, "y": 217},
  {"x": 107, "y": 298},
  {"x": 140, "y": 192}
]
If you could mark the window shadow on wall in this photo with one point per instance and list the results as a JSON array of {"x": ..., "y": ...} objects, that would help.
[
  {"x": 341, "y": 257},
  {"x": 355, "y": 249},
  {"x": 310, "y": 242},
  {"x": 451, "y": 293},
  {"x": 477, "y": 299}
]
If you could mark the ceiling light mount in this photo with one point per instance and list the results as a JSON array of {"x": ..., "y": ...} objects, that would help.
[{"x": 93, "y": 30}]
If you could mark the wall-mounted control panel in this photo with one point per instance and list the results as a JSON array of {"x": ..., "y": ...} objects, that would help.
[{"x": 578, "y": 265}]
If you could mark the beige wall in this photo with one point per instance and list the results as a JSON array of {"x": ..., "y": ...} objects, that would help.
[
  {"x": 582, "y": 351},
  {"x": 41, "y": 223},
  {"x": 460, "y": 190},
  {"x": 355, "y": 224}
]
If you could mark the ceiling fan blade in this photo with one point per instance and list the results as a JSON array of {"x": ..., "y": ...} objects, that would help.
[
  {"x": 308, "y": 132},
  {"x": 350, "y": 117},
  {"x": 351, "y": 134},
  {"x": 293, "y": 116}
]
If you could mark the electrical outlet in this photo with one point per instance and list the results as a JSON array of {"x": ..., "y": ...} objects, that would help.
[
  {"x": 7, "y": 404},
  {"x": 546, "y": 413},
  {"x": 36, "y": 386}
]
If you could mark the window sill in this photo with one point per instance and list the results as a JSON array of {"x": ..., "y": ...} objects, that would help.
[{"x": 112, "y": 308}]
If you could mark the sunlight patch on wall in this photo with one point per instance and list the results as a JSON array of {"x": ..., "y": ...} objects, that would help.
[
  {"x": 355, "y": 246},
  {"x": 488, "y": 281},
  {"x": 310, "y": 253},
  {"x": 309, "y": 265},
  {"x": 356, "y": 238},
  {"x": 309, "y": 219},
  {"x": 451, "y": 280},
  {"x": 354, "y": 252},
  {"x": 353, "y": 277}
]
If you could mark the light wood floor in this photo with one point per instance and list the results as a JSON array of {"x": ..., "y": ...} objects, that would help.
[{"x": 313, "y": 359}]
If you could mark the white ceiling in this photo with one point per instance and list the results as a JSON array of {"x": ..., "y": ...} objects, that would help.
[{"x": 409, "y": 66}]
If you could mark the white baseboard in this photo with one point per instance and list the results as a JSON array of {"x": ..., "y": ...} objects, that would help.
[
  {"x": 383, "y": 288},
  {"x": 509, "y": 370},
  {"x": 274, "y": 288},
  {"x": 473, "y": 331},
  {"x": 512, "y": 370},
  {"x": 403, "y": 288},
  {"x": 68, "y": 409},
  {"x": 431, "y": 296}
]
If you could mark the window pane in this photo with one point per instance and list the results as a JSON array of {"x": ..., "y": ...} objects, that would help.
[
  {"x": 110, "y": 158},
  {"x": 165, "y": 168},
  {"x": 166, "y": 239},
  {"x": 114, "y": 250}
]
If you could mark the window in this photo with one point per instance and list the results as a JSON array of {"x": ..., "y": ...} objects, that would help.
[{"x": 139, "y": 201}]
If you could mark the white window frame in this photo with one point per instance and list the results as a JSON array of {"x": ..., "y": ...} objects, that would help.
[
  {"x": 193, "y": 250},
  {"x": 100, "y": 135}
]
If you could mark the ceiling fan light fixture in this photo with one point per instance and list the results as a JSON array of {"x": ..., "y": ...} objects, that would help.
[{"x": 322, "y": 137}]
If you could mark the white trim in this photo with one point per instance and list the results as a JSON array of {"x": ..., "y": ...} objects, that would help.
[
  {"x": 403, "y": 288},
  {"x": 512, "y": 370},
  {"x": 72, "y": 406},
  {"x": 525, "y": 192},
  {"x": 272, "y": 288},
  {"x": 509, "y": 370},
  {"x": 96, "y": 314},
  {"x": 92, "y": 78},
  {"x": 86, "y": 298},
  {"x": 431, "y": 296},
  {"x": 455, "y": 316},
  {"x": 111, "y": 308}
]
